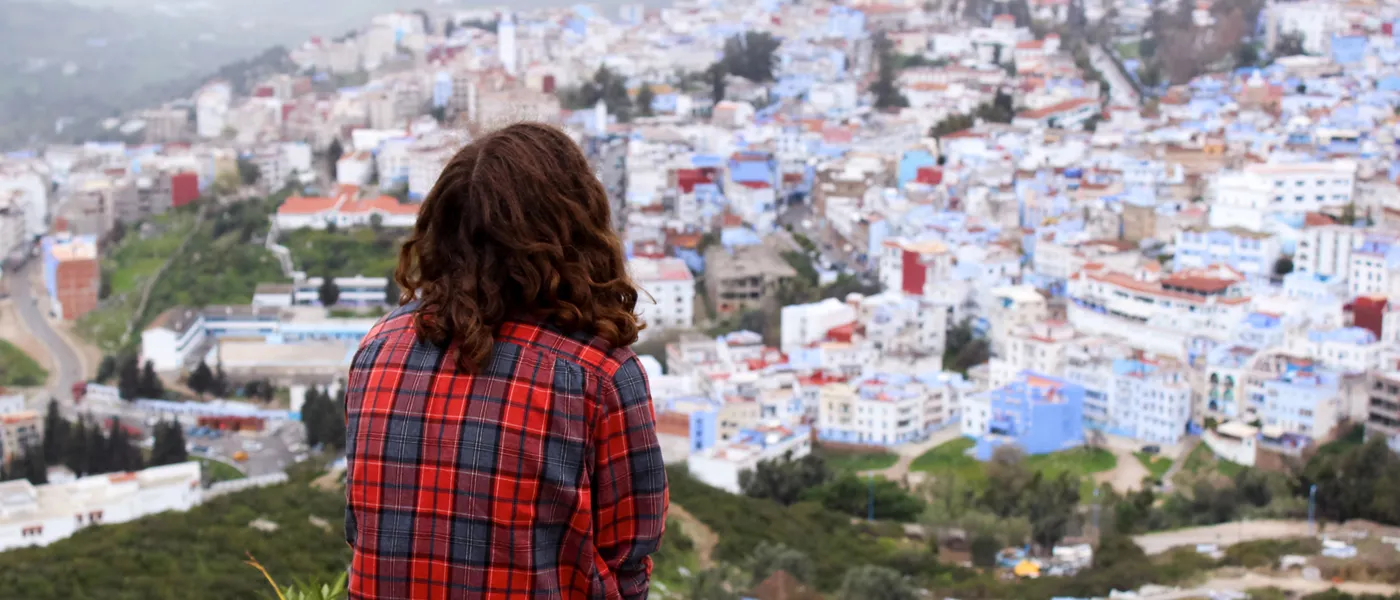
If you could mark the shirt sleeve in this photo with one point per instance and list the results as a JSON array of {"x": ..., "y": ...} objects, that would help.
[{"x": 629, "y": 481}]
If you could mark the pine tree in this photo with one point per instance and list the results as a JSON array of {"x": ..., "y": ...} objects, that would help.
[
  {"x": 121, "y": 455},
  {"x": 169, "y": 447},
  {"x": 332, "y": 422},
  {"x": 220, "y": 381},
  {"x": 202, "y": 379},
  {"x": 151, "y": 386},
  {"x": 129, "y": 379},
  {"x": 333, "y": 153},
  {"x": 644, "y": 98},
  {"x": 391, "y": 292},
  {"x": 311, "y": 415},
  {"x": 107, "y": 368},
  {"x": 329, "y": 293},
  {"x": 98, "y": 460},
  {"x": 76, "y": 452},
  {"x": 56, "y": 430},
  {"x": 34, "y": 468}
]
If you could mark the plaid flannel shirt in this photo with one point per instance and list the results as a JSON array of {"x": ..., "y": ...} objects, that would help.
[{"x": 538, "y": 476}]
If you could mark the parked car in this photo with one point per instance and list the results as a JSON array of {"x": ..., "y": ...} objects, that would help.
[{"x": 1151, "y": 449}]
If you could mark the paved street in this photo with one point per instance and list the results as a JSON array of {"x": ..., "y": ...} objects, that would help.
[
  {"x": 67, "y": 366},
  {"x": 1120, "y": 89}
]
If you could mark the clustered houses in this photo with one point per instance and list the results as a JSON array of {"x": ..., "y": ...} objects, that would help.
[{"x": 1222, "y": 262}]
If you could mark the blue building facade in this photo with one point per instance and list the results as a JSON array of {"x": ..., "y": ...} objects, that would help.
[{"x": 1039, "y": 413}]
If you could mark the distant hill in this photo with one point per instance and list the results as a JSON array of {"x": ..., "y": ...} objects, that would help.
[{"x": 91, "y": 61}]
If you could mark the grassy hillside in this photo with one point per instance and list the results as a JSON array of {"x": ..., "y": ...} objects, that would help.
[
  {"x": 187, "y": 555},
  {"x": 19, "y": 369}
]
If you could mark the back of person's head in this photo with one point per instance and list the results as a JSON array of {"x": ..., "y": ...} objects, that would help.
[{"x": 517, "y": 226}]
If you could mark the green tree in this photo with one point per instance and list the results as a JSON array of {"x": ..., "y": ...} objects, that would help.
[
  {"x": 106, "y": 369},
  {"x": 98, "y": 458},
  {"x": 645, "y": 96},
  {"x": 712, "y": 584},
  {"x": 333, "y": 422},
  {"x": 329, "y": 292},
  {"x": 313, "y": 413},
  {"x": 784, "y": 480},
  {"x": 333, "y": 154},
  {"x": 75, "y": 455},
  {"x": 33, "y": 466},
  {"x": 151, "y": 386},
  {"x": 1283, "y": 266},
  {"x": 887, "y": 94},
  {"x": 376, "y": 223},
  {"x": 129, "y": 378},
  {"x": 169, "y": 447},
  {"x": 768, "y": 558},
  {"x": 984, "y": 549},
  {"x": 121, "y": 454},
  {"x": 850, "y": 494},
  {"x": 391, "y": 292},
  {"x": 218, "y": 385},
  {"x": 248, "y": 173},
  {"x": 751, "y": 55},
  {"x": 1007, "y": 478},
  {"x": 202, "y": 379},
  {"x": 56, "y": 430},
  {"x": 1289, "y": 44},
  {"x": 875, "y": 583},
  {"x": 1050, "y": 506},
  {"x": 715, "y": 76}
]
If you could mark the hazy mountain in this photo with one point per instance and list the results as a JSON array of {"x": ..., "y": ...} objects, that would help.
[{"x": 87, "y": 59}]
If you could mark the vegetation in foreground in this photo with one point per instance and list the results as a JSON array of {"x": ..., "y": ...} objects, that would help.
[
  {"x": 18, "y": 369},
  {"x": 167, "y": 556}
]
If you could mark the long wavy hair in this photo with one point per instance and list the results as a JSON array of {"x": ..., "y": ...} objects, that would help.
[{"x": 516, "y": 227}]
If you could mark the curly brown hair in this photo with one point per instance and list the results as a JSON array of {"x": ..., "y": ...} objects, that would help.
[{"x": 517, "y": 226}]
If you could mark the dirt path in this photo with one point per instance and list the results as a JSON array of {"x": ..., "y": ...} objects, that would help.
[
  {"x": 1295, "y": 584},
  {"x": 908, "y": 452},
  {"x": 704, "y": 538},
  {"x": 1127, "y": 474},
  {"x": 1223, "y": 534}
]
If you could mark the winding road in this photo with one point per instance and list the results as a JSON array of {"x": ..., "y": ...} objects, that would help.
[{"x": 68, "y": 367}]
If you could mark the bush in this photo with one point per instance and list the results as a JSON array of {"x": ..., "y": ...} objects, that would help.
[{"x": 1264, "y": 553}]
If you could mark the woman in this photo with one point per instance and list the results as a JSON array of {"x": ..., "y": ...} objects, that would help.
[{"x": 501, "y": 439}]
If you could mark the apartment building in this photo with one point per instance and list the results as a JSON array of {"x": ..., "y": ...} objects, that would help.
[
  {"x": 1248, "y": 252},
  {"x": 1162, "y": 314},
  {"x": 72, "y": 275},
  {"x": 1326, "y": 250},
  {"x": 879, "y": 410},
  {"x": 745, "y": 277},
  {"x": 804, "y": 324},
  {"x": 1039, "y": 413},
  {"x": 1383, "y": 408},
  {"x": 668, "y": 298},
  {"x": 721, "y": 464}
]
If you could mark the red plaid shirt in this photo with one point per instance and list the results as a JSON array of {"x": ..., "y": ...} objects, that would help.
[{"x": 539, "y": 476}]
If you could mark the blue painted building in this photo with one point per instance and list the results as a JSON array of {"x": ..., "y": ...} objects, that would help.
[{"x": 1039, "y": 413}]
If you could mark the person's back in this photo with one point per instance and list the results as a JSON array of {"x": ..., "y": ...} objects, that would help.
[{"x": 501, "y": 439}]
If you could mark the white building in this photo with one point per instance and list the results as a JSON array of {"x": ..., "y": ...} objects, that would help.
[
  {"x": 505, "y": 43},
  {"x": 668, "y": 292},
  {"x": 171, "y": 339},
  {"x": 27, "y": 188},
  {"x": 39, "y": 515},
  {"x": 1247, "y": 198},
  {"x": 211, "y": 106},
  {"x": 1162, "y": 314},
  {"x": 721, "y": 464},
  {"x": 354, "y": 168},
  {"x": 1326, "y": 250},
  {"x": 344, "y": 210},
  {"x": 879, "y": 410},
  {"x": 804, "y": 324},
  {"x": 1040, "y": 347}
]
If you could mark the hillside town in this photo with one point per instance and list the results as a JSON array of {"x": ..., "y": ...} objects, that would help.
[{"x": 918, "y": 234}]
